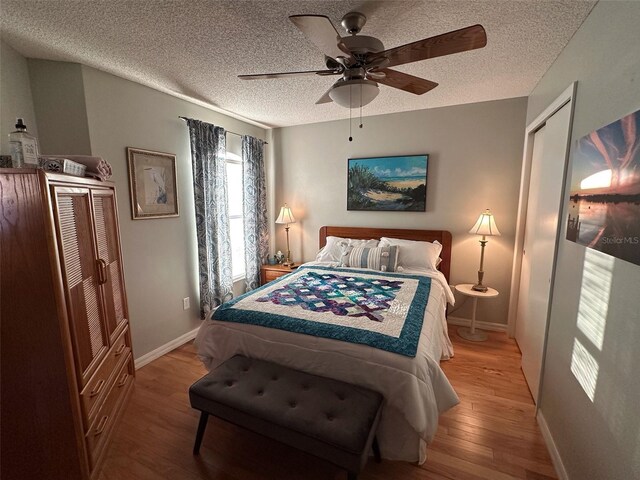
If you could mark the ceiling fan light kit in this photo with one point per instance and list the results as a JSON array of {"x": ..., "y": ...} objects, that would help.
[{"x": 354, "y": 93}]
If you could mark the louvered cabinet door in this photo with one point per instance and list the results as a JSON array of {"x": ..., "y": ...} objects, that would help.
[
  {"x": 106, "y": 227},
  {"x": 72, "y": 212}
]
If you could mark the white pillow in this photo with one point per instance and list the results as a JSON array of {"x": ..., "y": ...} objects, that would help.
[
  {"x": 332, "y": 251},
  {"x": 415, "y": 255}
]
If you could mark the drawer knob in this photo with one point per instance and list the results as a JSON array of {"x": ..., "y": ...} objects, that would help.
[{"x": 120, "y": 350}]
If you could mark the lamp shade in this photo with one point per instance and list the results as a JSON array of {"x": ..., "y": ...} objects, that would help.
[
  {"x": 285, "y": 215},
  {"x": 354, "y": 93},
  {"x": 486, "y": 225}
]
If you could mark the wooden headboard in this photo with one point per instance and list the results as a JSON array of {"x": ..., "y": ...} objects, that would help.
[{"x": 443, "y": 236}]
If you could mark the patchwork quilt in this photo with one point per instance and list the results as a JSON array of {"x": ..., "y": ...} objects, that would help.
[{"x": 379, "y": 309}]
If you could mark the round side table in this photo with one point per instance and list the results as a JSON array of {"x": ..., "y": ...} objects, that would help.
[{"x": 470, "y": 333}]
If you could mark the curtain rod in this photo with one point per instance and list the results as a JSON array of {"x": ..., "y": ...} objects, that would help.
[{"x": 227, "y": 131}]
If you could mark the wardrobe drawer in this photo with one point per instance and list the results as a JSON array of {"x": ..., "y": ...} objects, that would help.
[
  {"x": 105, "y": 419},
  {"x": 97, "y": 386}
]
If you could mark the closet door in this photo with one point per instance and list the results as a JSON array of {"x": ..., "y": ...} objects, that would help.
[
  {"x": 106, "y": 228},
  {"x": 540, "y": 240},
  {"x": 72, "y": 212}
]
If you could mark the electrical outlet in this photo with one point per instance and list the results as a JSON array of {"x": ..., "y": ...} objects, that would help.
[{"x": 185, "y": 303}]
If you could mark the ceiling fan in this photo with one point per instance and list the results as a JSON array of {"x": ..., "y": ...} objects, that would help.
[{"x": 362, "y": 61}]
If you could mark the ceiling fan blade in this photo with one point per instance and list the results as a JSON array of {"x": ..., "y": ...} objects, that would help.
[
  {"x": 404, "y": 81},
  {"x": 321, "y": 32},
  {"x": 262, "y": 76},
  {"x": 325, "y": 98},
  {"x": 468, "y": 38}
]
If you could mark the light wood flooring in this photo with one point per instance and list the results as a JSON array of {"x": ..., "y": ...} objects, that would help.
[{"x": 492, "y": 434}]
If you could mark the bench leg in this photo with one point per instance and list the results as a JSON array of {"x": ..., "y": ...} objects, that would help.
[
  {"x": 204, "y": 416},
  {"x": 352, "y": 476},
  {"x": 376, "y": 450}
]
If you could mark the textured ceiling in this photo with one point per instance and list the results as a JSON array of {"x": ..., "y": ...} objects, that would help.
[{"x": 196, "y": 48}]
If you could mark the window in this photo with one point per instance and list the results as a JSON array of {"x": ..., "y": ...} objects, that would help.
[{"x": 236, "y": 218}]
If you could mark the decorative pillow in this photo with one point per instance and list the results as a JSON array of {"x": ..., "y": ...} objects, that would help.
[
  {"x": 383, "y": 259},
  {"x": 332, "y": 251},
  {"x": 345, "y": 250},
  {"x": 415, "y": 255}
]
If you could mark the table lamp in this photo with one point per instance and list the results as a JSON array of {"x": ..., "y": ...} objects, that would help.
[
  {"x": 286, "y": 217},
  {"x": 485, "y": 226}
]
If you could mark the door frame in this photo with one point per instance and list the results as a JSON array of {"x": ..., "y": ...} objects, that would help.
[{"x": 568, "y": 95}]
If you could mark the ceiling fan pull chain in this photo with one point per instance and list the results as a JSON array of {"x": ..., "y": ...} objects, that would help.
[
  {"x": 360, "y": 106},
  {"x": 350, "y": 107}
]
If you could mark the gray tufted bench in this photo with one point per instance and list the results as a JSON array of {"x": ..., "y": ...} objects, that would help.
[{"x": 327, "y": 418}]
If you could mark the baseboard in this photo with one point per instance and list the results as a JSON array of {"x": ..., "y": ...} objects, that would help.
[
  {"x": 551, "y": 446},
  {"x": 166, "y": 348},
  {"x": 465, "y": 322}
]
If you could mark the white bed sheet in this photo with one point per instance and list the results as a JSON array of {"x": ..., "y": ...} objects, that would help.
[{"x": 416, "y": 390}]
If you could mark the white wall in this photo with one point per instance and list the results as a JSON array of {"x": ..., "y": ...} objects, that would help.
[
  {"x": 597, "y": 435},
  {"x": 58, "y": 97},
  {"x": 15, "y": 95},
  {"x": 475, "y": 154},
  {"x": 160, "y": 255}
]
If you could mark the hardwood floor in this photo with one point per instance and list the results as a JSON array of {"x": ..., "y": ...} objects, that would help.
[{"x": 491, "y": 435}]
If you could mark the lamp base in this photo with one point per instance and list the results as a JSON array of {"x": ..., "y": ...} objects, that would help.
[
  {"x": 288, "y": 264},
  {"x": 479, "y": 288}
]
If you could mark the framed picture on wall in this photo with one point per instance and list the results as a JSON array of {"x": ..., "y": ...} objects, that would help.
[
  {"x": 388, "y": 183},
  {"x": 604, "y": 205},
  {"x": 152, "y": 184}
]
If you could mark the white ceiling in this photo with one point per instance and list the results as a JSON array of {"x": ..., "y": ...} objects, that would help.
[{"x": 196, "y": 48}]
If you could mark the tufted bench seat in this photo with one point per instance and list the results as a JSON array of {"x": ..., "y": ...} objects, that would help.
[{"x": 327, "y": 418}]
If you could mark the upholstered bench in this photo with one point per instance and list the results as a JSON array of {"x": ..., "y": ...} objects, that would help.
[{"x": 327, "y": 418}]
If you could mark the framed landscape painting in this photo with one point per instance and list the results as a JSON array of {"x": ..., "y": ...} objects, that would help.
[
  {"x": 604, "y": 205},
  {"x": 388, "y": 183},
  {"x": 153, "y": 184}
]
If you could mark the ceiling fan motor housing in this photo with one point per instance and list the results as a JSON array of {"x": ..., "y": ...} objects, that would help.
[{"x": 362, "y": 44}]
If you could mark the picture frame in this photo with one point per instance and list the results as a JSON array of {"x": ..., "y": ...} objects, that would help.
[
  {"x": 394, "y": 183},
  {"x": 604, "y": 200},
  {"x": 153, "y": 184}
]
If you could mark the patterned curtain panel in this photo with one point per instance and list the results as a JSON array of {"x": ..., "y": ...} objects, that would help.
[
  {"x": 208, "y": 148},
  {"x": 256, "y": 232}
]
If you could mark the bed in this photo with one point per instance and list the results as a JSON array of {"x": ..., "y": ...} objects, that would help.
[{"x": 415, "y": 388}]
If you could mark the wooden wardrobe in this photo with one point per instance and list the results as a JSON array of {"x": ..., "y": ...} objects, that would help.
[{"x": 66, "y": 361}]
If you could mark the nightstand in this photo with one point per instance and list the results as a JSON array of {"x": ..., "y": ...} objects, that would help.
[
  {"x": 271, "y": 272},
  {"x": 470, "y": 333}
]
